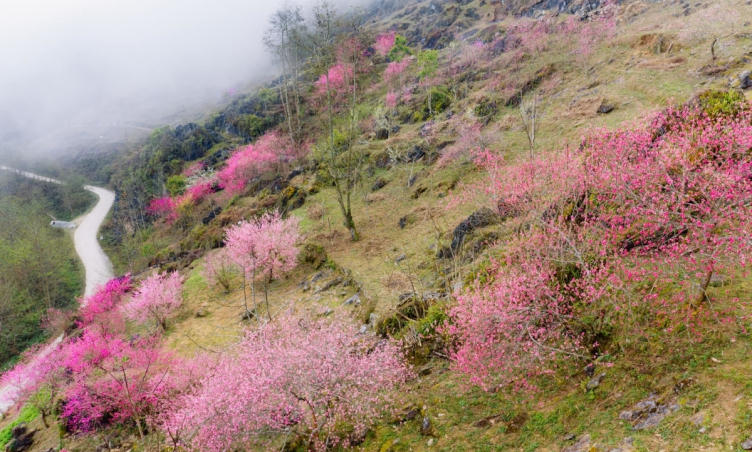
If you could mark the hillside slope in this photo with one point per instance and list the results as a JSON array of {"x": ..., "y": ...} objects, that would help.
[{"x": 440, "y": 221}]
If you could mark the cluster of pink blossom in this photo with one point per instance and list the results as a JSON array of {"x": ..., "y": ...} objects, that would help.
[
  {"x": 336, "y": 79},
  {"x": 102, "y": 377},
  {"x": 193, "y": 169},
  {"x": 170, "y": 208},
  {"x": 265, "y": 246},
  {"x": 156, "y": 298},
  {"x": 395, "y": 71},
  {"x": 105, "y": 299},
  {"x": 667, "y": 202},
  {"x": 384, "y": 43},
  {"x": 298, "y": 377},
  {"x": 243, "y": 165}
]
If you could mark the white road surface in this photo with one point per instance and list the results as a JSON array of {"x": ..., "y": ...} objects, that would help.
[{"x": 97, "y": 264}]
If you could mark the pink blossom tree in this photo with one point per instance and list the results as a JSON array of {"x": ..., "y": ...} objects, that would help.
[
  {"x": 265, "y": 246},
  {"x": 157, "y": 297},
  {"x": 37, "y": 380},
  {"x": 296, "y": 377},
  {"x": 384, "y": 43},
  {"x": 116, "y": 380}
]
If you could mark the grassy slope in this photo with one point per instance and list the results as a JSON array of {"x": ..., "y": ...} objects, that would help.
[
  {"x": 624, "y": 73},
  {"x": 637, "y": 81}
]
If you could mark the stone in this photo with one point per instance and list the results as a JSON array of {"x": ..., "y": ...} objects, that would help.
[
  {"x": 582, "y": 445},
  {"x": 478, "y": 219},
  {"x": 382, "y": 134},
  {"x": 747, "y": 445},
  {"x": 744, "y": 79},
  {"x": 329, "y": 284},
  {"x": 415, "y": 154},
  {"x": 201, "y": 313},
  {"x": 430, "y": 442},
  {"x": 570, "y": 437},
  {"x": 697, "y": 419},
  {"x": 400, "y": 258},
  {"x": 373, "y": 319},
  {"x": 595, "y": 382},
  {"x": 363, "y": 329},
  {"x": 378, "y": 184},
  {"x": 355, "y": 299},
  {"x": 605, "y": 109},
  {"x": 426, "y": 429}
]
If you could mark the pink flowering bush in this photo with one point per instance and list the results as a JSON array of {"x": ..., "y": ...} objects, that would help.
[
  {"x": 315, "y": 380},
  {"x": 384, "y": 43},
  {"x": 158, "y": 296},
  {"x": 115, "y": 380},
  {"x": 631, "y": 228},
  {"x": 104, "y": 300},
  {"x": 161, "y": 206},
  {"x": 245, "y": 164}
]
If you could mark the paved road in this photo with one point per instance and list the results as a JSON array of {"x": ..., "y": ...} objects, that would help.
[{"x": 97, "y": 264}]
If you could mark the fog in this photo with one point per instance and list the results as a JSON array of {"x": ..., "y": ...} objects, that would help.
[{"x": 74, "y": 71}]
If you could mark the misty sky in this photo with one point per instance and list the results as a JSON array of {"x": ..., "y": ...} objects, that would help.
[{"x": 74, "y": 63}]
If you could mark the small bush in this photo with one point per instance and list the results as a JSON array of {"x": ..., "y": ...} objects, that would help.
[
  {"x": 722, "y": 103},
  {"x": 176, "y": 185}
]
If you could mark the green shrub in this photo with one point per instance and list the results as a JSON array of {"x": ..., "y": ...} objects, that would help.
[
  {"x": 722, "y": 103},
  {"x": 440, "y": 98},
  {"x": 176, "y": 185}
]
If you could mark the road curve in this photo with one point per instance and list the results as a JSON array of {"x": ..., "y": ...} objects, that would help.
[{"x": 97, "y": 264}]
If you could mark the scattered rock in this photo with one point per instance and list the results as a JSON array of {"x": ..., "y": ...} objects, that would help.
[
  {"x": 605, "y": 109},
  {"x": 430, "y": 442},
  {"x": 211, "y": 215},
  {"x": 329, "y": 284},
  {"x": 582, "y": 445},
  {"x": 649, "y": 412},
  {"x": 354, "y": 300},
  {"x": 698, "y": 419},
  {"x": 382, "y": 134},
  {"x": 21, "y": 438},
  {"x": 595, "y": 382},
  {"x": 412, "y": 181},
  {"x": 747, "y": 445},
  {"x": 744, "y": 79},
  {"x": 378, "y": 184},
  {"x": 419, "y": 191},
  {"x": 570, "y": 437},
  {"x": 363, "y": 329},
  {"x": 478, "y": 219},
  {"x": 201, "y": 313},
  {"x": 416, "y": 153},
  {"x": 426, "y": 429},
  {"x": 400, "y": 258}
]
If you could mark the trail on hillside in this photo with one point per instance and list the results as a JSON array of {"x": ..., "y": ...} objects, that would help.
[{"x": 98, "y": 266}]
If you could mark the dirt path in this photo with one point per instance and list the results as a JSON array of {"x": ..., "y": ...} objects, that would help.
[{"x": 97, "y": 264}]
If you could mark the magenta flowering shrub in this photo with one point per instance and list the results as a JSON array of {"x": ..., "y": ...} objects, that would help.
[
  {"x": 104, "y": 300},
  {"x": 113, "y": 380},
  {"x": 296, "y": 377},
  {"x": 245, "y": 164},
  {"x": 156, "y": 299},
  {"x": 161, "y": 206}
]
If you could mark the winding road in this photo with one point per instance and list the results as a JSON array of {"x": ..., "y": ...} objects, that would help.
[{"x": 97, "y": 264}]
